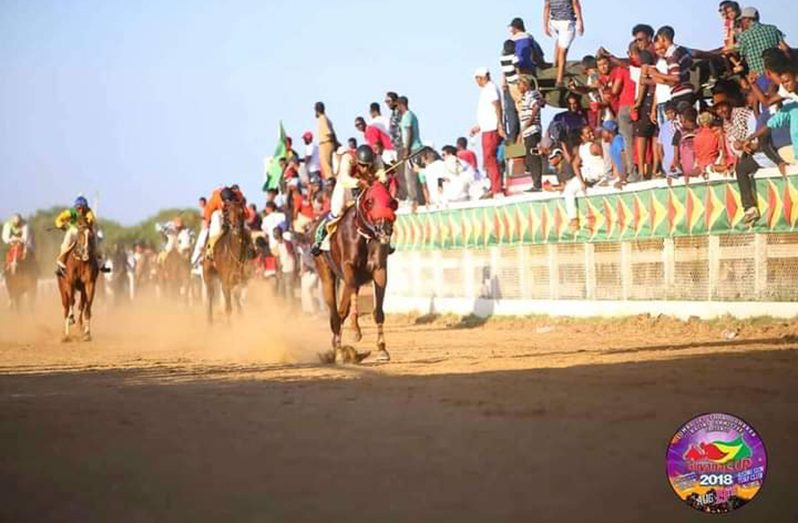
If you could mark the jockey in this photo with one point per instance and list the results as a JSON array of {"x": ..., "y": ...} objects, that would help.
[
  {"x": 68, "y": 221},
  {"x": 213, "y": 218},
  {"x": 177, "y": 237},
  {"x": 356, "y": 170},
  {"x": 16, "y": 233}
]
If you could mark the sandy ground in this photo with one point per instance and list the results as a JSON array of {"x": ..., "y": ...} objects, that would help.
[{"x": 163, "y": 419}]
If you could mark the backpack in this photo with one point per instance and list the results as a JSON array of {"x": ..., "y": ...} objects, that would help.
[{"x": 687, "y": 158}]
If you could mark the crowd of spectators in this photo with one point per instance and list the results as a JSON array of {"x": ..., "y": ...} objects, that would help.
[{"x": 626, "y": 119}]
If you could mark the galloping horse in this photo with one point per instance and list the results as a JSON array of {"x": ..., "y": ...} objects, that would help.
[
  {"x": 21, "y": 276},
  {"x": 82, "y": 269},
  {"x": 358, "y": 255},
  {"x": 175, "y": 274},
  {"x": 229, "y": 260}
]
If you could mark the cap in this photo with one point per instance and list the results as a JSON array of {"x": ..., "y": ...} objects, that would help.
[
  {"x": 481, "y": 72},
  {"x": 555, "y": 153},
  {"x": 518, "y": 23},
  {"x": 610, "y": 126},
  {"x": 750, "y": 12},
  {"x": 307, "y": 136}
]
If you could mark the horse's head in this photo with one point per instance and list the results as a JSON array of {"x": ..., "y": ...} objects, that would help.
[
  {"x": 379, "y": 209},
  {"x": 86, "y": 242},
  {"x": 234, "y": 214}
]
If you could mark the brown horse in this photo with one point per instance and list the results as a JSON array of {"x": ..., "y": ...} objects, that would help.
[
  {"x": 21, "y": 277},
  {"x": 229, "y": 262},
  {"x": 82, "y": 269},
  {"x": 358, "y": 255},
  {"x": 175, "y": 275}
]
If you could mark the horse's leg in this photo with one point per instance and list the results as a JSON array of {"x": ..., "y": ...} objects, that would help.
[
  {"x": 209, "y": 291},
  {"x": 349, "y": 292},
  {"x": 67, "y": 298},
  {"x": 380, "y": 281},
  {"x": 329, "y": 285},
  {"x": 354, "y": 324},
  {"x": 85, "y": 305},
  {"x": 227, "y": 291}
]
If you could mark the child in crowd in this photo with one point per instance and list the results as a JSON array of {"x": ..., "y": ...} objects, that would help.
[
  {"x": 707, "y": 146},
  {"x": 665, "y": 142},
  {"x": 684, "y": 144}
]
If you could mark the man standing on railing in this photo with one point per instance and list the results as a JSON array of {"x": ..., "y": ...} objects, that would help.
[{"x": 489, "y": 123}]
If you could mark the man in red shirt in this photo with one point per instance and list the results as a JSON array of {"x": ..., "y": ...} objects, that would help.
[
  {"x": 620, "y": 96},
  {"x": 373, "y": 134},
  {"x": 463, "y": 153}
]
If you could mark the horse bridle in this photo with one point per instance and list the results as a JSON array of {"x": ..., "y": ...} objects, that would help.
[
  {"x": 240, "y": 258},
  {"x": 362, "y": 222}
]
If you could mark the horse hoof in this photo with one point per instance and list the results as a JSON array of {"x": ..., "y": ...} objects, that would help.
[
  {"x": 350, "y": 356},
  {"x": 87, "y": 337},
  {"x": 327, "y": 358},
  {"x": 66, "y": 339},
  {"x": 383, "y": 356}
]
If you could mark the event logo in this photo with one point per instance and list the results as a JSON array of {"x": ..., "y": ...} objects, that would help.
[{"x": 716, "y": 463}]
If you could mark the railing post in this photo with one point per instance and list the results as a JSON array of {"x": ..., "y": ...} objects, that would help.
[
  {"x": 760, "y": 265},
  {"x": 713, "y": 250},
  {"x": 590, "y": 271},
  {"x": 554, "y": 271}
]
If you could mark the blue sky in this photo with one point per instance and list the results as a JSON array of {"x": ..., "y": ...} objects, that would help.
[{"x": 150, "y": 104}]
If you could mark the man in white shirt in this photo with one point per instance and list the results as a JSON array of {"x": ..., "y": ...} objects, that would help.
[
  {"x": 312, "y": 162},
  {"x": 272, "y": 219},
  {"x": 489, "y": 119}
]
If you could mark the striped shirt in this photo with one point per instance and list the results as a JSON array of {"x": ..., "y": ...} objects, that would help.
[
  {"x": 562, "y": 10},
  {"x": 679, "y": 62},
  {"x": 509, "y": 66},
  {"x": 532, "y": 102}
]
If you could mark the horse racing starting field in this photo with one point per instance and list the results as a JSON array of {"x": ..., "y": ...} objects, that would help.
[{"x": 161, "y": 418}]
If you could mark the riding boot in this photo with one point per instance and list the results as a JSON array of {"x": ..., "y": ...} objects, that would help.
[
  {"x": 60, "y": 265},
  {"x": 321, "y": 235}
]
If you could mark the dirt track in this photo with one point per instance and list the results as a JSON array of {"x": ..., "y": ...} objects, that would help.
[{"x": 160, "y": 419}]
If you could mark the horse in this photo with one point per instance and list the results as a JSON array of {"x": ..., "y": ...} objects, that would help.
[
  {"x": 358, "y": 255},
  {"x": 80, "y": 276},
  {"x": 120, "y": 281},
  {"x": 229, "y": 261},
  {"x": 21, "y": 276},
  {"x": 175, "y": 274}
]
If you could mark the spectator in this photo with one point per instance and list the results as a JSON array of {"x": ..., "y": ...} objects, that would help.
[
  {"x": 489, "y": 117},
  {"x": 201, "y": 203},
  {"x": 411, "y": 138},
  {"x": 589, "y": 164},
  {"x": 382, "y": 124},
  {"x": 352, "y": 144},
  {"x": 509, "y": 81},
  {"x": 461, "y": 183},
  {"x": 532, "y": 103},
  {"x": 643, "y": 35},
  {"x": 327, "y": 141},
  {"x": 310, "y": 288},
  {"x": 286, "y": 264},
  {"x": 754, "y": 39},
  {"x": 679, "y": 63},
  {"x": 373, "y": 135},
  {"x": 395, "y": 132},
  {"x": 563, "y": 19},
  {"x": 707, "y": 145},
  {"x": 572, "y": 120},
  {"x": 665, "y": 142},
  {"x": 465, "y": 154},
  {"x": 571, "y": 185},
  {"x": 645, "y": 118},
  {"x": 621, "y": 100},
  {"x": 730, "y": 13},
  {"x": 591, "y": 88},
  {"x": 255, "y": 221},
  {"x": 684, "y": 144},
  {"x": 272, "y": 219},
  {"x": 615, "y": 149},
  {"x": 528, "y": 51},
  {"x": 312, "y": 163}
]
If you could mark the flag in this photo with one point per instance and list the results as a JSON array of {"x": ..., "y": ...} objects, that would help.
[{"x": 273, "y": 171}]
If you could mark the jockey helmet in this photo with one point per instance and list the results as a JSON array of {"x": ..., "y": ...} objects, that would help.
[
  {"x": 80, "y": 201},
  {"x": 365, "y": 155},
  {"x": 228, "y": 195}
]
